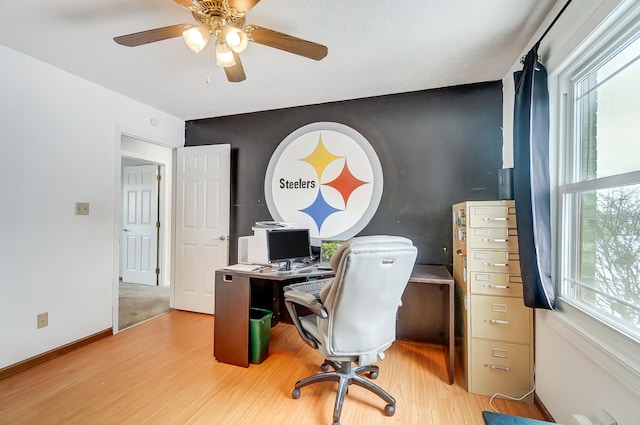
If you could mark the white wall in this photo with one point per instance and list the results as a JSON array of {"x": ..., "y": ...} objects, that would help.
[
  {"x": 574, "y": 374},
  {"x": 60, "y": 139}
]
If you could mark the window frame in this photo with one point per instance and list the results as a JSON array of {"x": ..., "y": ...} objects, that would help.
[{"x": 585, "y": 329}]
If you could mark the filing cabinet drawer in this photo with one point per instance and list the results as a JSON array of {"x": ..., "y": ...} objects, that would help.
[
  {"x": 492, "y": 216},
  {"x": 495, "y": 361},
  {"x": 493, "y": 261},
  {"x": 501, "y": 238},
  {"x": 500, "y": 284},
  {"x": 501, "y": 318}
]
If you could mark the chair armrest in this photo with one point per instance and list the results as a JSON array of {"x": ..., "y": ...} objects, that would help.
[
  {"x": 293, "y": 298},
  {"x": 306, "y": 300}
]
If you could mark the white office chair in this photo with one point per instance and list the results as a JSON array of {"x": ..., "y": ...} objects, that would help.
[{"x": 355, "y": 319}]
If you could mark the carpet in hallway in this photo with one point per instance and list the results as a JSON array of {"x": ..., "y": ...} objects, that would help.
[{"x": 138, "y": 303}]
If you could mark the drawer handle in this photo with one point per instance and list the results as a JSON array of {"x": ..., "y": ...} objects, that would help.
[
  {"x": 496, "y": 286},
  {"x": 498, "y": 322},
  {"x": 495, "y": 240},
  {"x": 498, "y": 367},
  {"x": 495, "y": 218},
  {"x": 227, "y": 278},
  {"x": 496, "y": 264}
]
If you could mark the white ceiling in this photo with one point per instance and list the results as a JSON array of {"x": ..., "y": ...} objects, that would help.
[{"x": 376, "y": 47}]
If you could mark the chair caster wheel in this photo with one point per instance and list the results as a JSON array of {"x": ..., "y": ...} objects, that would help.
[
  {"x": 324, "y": 367},
  {"x": 295, "y": 393},
  {"x": 389, "y": 410},
  {"x": 373, "y": 375}
]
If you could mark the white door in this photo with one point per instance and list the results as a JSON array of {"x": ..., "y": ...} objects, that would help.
[
  {"x": 139, "y": 224},
  {"x": 202, "y": 223}
]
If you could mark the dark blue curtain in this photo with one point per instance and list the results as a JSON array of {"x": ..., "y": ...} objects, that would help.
[{"x": 531, "y": 181}]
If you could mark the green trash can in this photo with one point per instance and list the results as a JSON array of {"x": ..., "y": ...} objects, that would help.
[{"x": 259, "y": 330}]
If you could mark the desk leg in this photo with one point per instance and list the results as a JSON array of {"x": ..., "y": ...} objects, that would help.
[
  {"x": 450, "y": 340},
  {"x": 231, "y": 322}
]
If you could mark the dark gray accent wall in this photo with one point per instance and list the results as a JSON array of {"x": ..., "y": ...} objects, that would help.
[{"x": 437, "y": 147}]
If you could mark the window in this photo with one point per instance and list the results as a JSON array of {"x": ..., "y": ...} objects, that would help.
[{"x": 599, "y": 183}]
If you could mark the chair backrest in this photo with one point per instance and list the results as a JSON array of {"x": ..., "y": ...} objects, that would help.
[{"x": 371, "y": 273}]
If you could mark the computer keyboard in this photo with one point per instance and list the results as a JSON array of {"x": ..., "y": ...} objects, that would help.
[{"x": 310, "y": 287}]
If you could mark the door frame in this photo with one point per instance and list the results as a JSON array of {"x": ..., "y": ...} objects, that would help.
[{"x": 151, "y": 151}]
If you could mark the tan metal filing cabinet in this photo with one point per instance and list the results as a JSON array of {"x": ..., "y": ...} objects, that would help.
[{"x": 495, "y": 326}]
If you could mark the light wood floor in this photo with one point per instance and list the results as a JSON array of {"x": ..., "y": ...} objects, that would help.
[{"x": 163, "y": 372}]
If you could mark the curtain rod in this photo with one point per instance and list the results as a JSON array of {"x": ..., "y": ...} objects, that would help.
[
  {"x": 550, "y": 26},
  {"x": 554, "y": 21}
]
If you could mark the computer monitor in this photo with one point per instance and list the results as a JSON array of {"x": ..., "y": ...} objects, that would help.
[{"x": 287, "y": 245}]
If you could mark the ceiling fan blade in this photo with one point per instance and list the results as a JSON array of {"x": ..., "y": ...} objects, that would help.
[
  {"x": 235, "y": 73},
  {"x": 150, "y": 36},
  {"x": 287, "y": 43},
  {"x": 240, "y": 5}
]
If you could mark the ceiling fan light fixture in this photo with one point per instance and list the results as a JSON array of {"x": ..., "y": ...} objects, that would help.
[
  {"x": 196, "y": 38},
  {"x": 222, "y": 24},
  {"x": 224, "y": 54},
  {"x": 235, "y": 38}
]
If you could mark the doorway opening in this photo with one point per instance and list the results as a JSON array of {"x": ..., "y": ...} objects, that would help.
[{"x": 144, "y": 288}]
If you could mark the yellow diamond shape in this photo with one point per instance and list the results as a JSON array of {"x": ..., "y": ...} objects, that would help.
[{"x": 320, "y": 157}]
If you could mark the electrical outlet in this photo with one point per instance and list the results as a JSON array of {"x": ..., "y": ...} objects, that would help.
[
  {"x": 82, "y": 208},
  {"x": 43, "y": 320}
]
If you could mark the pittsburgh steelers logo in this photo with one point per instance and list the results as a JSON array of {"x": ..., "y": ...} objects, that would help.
[{"x": 325, "y": 177}]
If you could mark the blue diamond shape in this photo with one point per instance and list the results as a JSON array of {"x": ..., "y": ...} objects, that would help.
[{"x": 319, "y": 210}]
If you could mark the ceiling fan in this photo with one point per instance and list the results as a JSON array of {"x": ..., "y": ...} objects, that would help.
[{"x": 224, "y": 21}]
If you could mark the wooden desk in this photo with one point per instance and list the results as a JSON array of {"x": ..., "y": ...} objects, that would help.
[
  {"x": 237, "y": 291},
  {"x": 427, "y": 314}
]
